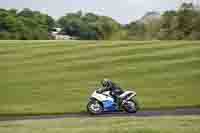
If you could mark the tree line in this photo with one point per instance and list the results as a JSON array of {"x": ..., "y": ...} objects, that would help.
[
  {"x": 182, "y": 24},
  {"x": 26, "y": 24}
]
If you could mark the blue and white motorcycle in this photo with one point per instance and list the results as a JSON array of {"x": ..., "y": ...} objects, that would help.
[{"x": 104, "y": 102}]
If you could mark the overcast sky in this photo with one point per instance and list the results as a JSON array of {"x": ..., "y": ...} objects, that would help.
[{"x": 123, "y": 11}]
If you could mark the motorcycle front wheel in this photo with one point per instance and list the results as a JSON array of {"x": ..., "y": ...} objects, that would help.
[{"x": 94, "y": 107}]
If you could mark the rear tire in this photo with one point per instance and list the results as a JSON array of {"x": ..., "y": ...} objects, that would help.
[
  {"x": 94, "y": 107},
  {"x": 131, "y": 106}
]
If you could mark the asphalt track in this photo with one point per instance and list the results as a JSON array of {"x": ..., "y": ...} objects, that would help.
[{"x": 142, "y": 113}]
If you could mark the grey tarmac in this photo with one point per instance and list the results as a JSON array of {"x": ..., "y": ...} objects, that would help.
[{"x": 143, "y": 113}]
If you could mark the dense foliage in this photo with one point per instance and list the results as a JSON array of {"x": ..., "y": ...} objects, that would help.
[
  {"x": 26, "y": 24},
  {"x": 182, "y": 24},
  {"x": 89, "y": 26}
]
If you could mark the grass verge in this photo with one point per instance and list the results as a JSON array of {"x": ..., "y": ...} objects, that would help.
[
  {"x": 184, "y": 124},
  {"x": 58, "y": 76}
]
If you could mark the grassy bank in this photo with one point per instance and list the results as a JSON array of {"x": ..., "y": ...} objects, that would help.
[
  {"x": 58, "y": 76},
  {"x": 189, "y": 124}
]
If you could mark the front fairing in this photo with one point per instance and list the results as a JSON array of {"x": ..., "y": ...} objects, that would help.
[
  {"x": 102, "y": 97},
  {"x": 107, "y": 101}
]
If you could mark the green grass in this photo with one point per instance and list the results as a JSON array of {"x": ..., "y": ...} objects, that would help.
[
  {"x": 184, "y": 124},
  {"x": 58, "y": 76}
]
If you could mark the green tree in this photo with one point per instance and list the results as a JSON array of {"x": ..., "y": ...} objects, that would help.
[
  {"x": 136, "y": 31},
  {"x": 26, "y": 24},
  {"x": 89, "y": 26}
]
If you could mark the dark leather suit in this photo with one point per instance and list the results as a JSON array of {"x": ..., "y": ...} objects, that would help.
[{"x": 115, "y": 90}]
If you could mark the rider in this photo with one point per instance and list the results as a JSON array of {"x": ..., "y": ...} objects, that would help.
[{"x": 114, "y": 89}]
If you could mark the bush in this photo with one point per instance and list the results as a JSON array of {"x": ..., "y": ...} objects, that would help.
[{"x": 5, "y": 35}]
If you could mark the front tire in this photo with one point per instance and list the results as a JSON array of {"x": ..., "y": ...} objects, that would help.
[
  {"x": 94, "y": 107},
  {"x": 131, "y": 106}
]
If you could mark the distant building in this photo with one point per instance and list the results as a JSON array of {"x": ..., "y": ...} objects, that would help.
[{"x": 58, "y": 35}]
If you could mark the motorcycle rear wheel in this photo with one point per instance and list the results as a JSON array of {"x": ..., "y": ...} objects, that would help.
[{"x": 131, "y": 106}]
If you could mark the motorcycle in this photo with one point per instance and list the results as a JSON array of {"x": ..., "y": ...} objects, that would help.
[{"x": 104, "y": 102}]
